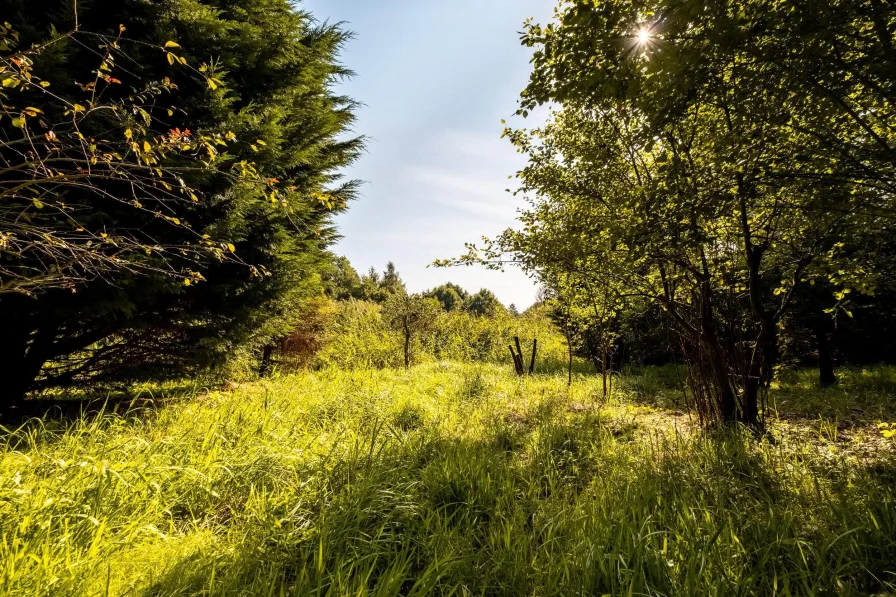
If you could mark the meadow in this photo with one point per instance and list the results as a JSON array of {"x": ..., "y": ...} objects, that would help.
[
  {"x": 200, "y": 396},
  {"x": 454, "y": 479}
]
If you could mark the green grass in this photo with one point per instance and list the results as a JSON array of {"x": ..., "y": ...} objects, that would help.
[{"x": 446, "y": 480}]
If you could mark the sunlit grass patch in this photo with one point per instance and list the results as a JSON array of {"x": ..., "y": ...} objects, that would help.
[{"x": 447, "y": 479}]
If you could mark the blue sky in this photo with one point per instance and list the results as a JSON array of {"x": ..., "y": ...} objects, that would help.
[{"x": 436, "y": 78}]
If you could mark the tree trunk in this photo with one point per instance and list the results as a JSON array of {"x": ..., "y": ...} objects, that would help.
[
  {"x": 760, "y": 371},
  {"x": 13, "y": 373},
  {"x": 407, "y": 350},
  {"x": 16, "y": 386},
  {"x": 604, "y": 372},
  {"x": 569, "y": 349},
  {"x": 611, "y": 355},
  {"x": 603, "y": 355},
  {"x": 23, "y": 353},
  {"x": 718, "y": 374},
  {"x": 826, "y": 374},
  {"x": 267, "y": 361}
]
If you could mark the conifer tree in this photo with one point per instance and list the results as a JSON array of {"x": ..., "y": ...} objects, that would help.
[{"x": 268, "y": 71}]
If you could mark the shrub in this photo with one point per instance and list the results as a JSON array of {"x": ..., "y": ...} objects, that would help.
[{"x": 354, "y": 334}]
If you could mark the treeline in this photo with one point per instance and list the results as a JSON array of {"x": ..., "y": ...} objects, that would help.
[
  {"x": 342, "y": 282},
  {"x": 371, "y": 320},
  {"x": 720, "y": 176}
]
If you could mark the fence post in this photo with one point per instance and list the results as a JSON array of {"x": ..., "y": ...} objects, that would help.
[{"x": 517, "y": 364}]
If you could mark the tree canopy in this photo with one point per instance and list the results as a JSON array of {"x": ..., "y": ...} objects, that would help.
[
  {"x": 412, "y": 315},
  {"x": 227, "y": 173},
  {"x": 716, "y": 160}
]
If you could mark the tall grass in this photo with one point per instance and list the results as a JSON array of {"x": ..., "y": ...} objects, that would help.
[{"x": 446, "y": 480}]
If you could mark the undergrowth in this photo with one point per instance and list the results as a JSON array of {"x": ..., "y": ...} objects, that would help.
[{"x": 445, "y": 480}]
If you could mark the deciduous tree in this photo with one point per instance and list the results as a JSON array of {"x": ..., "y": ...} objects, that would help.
[{"x": 412, "y": 315}]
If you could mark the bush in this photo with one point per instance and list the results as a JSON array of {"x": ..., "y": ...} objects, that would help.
[
  {"x": 359, "y": 337},
  {"x": 460, "y": 336}
]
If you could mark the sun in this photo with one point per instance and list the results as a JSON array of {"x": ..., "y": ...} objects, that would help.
[{"x": 643, "y": 36}]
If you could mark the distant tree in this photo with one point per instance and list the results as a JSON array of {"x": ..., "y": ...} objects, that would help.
[
  {"x": 513, "y": 310},
  {"x": 341, "y": 280},
  {"x": 412, "y": 315},
  {"x": 370, "y": 287},
  {"x": 378, "y": 288},
  {"x": 391, "y": 282},
  {"x": 450, "y": 296},
  {"x": 484, "y": 303}
]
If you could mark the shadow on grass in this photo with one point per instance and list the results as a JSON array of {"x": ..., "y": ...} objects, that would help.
[
  {"x": 860, "y": 394},
  {"x": 566, "y": 508}
]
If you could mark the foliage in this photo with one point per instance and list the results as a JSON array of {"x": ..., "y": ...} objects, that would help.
[
  {"x": 360, "y": 338},
  {"x": 450, "y": 296},
  {"x": 451, "y": 479},
  {"x": 317, "y": 320},
  {"x": 412, "y": 315},
  {"x": 257, "y": 72},
  {"x": 391, "y": 283},
  {"x": 484, "y": 303},
  {"x": 341, "y": 280},
  {"x": 374, "y": 287},
  {"x": 702, "y": 163},
  {"x": 469, "y": 338},
  {"x": 57, "y": 180}
]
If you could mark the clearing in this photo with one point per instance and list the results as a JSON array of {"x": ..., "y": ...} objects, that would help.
[{"x": 455, "y": 479}]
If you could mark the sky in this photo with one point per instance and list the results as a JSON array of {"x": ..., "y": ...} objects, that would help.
[{"x": 436, "y": 78}]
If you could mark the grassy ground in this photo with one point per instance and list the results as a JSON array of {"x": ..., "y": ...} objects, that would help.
[{"x": 454, "y": 479}]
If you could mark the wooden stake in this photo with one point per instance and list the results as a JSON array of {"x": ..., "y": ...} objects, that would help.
[{"x": 517, "y": 366}]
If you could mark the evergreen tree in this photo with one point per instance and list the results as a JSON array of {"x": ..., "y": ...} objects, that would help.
[
  {"x": 378, "y": 288},
  {"x": 268, "y": 71},
  {"x": 370, "y": 287},
  {"x": 392, "y": 283}
]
